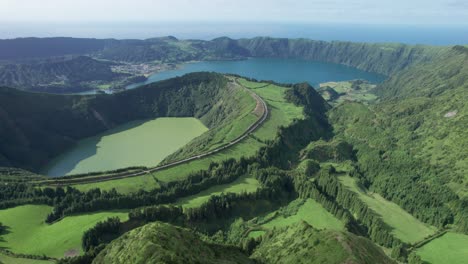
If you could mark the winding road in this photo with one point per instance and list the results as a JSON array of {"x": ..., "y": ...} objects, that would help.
[{"x": 92, "y": 179}]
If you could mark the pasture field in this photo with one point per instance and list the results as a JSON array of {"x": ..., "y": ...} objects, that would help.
[
  {"x": 27, "y": 232},
  {"x": 138, "y": 143},
  {"x": 282, "y": 113},
  {"x": 405, "y": 226},
  {"x": 243, "y": 184},
  {"x": 309, "y": 211},
  {"x": 127, "y": 185},
  {"x": 450, "y": 248}
]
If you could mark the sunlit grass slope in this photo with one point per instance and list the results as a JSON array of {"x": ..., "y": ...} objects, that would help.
[
  {"x": 243, "y": 184},
  {"x": 304, "y": 210},
  {"x": 405, "y": 226},
  {"x": 450, "y": 248},
  {"x": 27, "y": 232}
]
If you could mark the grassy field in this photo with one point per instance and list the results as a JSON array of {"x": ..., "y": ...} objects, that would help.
[
  {"x": 27, "y": 232},
  {"x": 346, "y": 92},
  {"x": 240, "y": 114},
  {"x": 450, "y": 248},
  {"x": 309, "y": 211},
  {"x": 243, "y": 184},
  {"x": 136, "y": 143},
  {"x": 281, "y": 114},
  {"x": 127, "y": 185},
  {"x": 5, "y": 259},
  {"x": 405, "y": 226}
]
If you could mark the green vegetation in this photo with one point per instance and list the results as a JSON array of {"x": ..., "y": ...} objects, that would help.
[
  {"x": 282, "y": 114},
  {"x": 387, "y": 172},
  {"x": 164, "y": 243},
  {"x": 302, "y": 243},
  {"x": 139, "y": 143},
  {"x": 240, "y": 117},
  {"x": 382, "y": 58},
  {"x": 411, "y": 146},
  {"x": 404, "y": 226},
  {"x": 450, "y": 248},
  {"x": 308, "y": 211},
  {"x": 6, "y": 259},
  {"x": 246, "y": 148},
  {"x": 27, "y": 232},
  {"x": 357, "y": 90},
  {"x": 57, "y": 122},
  {"x": 147, "y": 182},
  {"x": 64, "y": 75},
  {"x": 243, "y": 184}
]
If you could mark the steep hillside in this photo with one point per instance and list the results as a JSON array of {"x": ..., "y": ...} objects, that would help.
[
  {"x": 381, "y": 58},
  {"x": 411, "y": 146},
  {"x": 59, "y": 75},
  {"x": 429, "y": 79},
  {"x": 35, "y": 127},
  {"x": 164, "y": 243},
  {"x": 304, "y": 244},
  {"x": 27, "y": 48}
]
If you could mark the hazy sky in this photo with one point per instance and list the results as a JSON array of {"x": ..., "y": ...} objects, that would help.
[{"x": 311, "y": 11}]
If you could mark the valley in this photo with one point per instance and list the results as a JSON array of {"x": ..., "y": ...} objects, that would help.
[{"x": 223, "y": 167}]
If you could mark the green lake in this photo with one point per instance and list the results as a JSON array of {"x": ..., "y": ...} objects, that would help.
[
  {"x": 136, "y": 143},
  {"x": 148, "y": 143}
]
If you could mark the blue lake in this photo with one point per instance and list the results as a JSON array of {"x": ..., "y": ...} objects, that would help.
[{"x": 279, "y": 70}]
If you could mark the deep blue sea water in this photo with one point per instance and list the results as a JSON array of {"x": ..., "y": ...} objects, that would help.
[
  {"x": 411, "y": 34},
  {"x": 278, "y": 70}
]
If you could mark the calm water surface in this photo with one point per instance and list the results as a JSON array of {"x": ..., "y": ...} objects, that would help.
[
  {"x": 127, "y": 145},
  {"x": 279, "y": 70}
]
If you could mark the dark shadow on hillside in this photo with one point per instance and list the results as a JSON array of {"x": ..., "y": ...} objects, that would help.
[
  {"x": 4, "y": 230},
  {"x": 84, "y": 149}
]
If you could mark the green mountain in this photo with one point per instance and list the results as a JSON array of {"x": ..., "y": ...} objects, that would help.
[
  {"x": 379, "y": 173},
  {"x": 381, "y": 58},
  {"x": 59, "y": 75},
  {"x": 304, "y": 244},
  {"x": 27, "y": 48},
  {"x": 164, "y": 243},
  {"x": 411, "y": 146}
]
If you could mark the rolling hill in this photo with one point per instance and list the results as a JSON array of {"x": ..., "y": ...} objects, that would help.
[{"x": 383, "y": 179}]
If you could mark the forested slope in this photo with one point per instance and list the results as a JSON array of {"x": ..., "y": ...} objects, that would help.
[
  {"x": 27, "y": 48},
  {"x": 313, "y": 246},
  {"x": 411, "y": 146},
  {"x": 381, "y": 58},
  {"x": 35, "y": 127},
  {"x": 59, "y": 75},
  {"x": 164, "y": 243}
]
